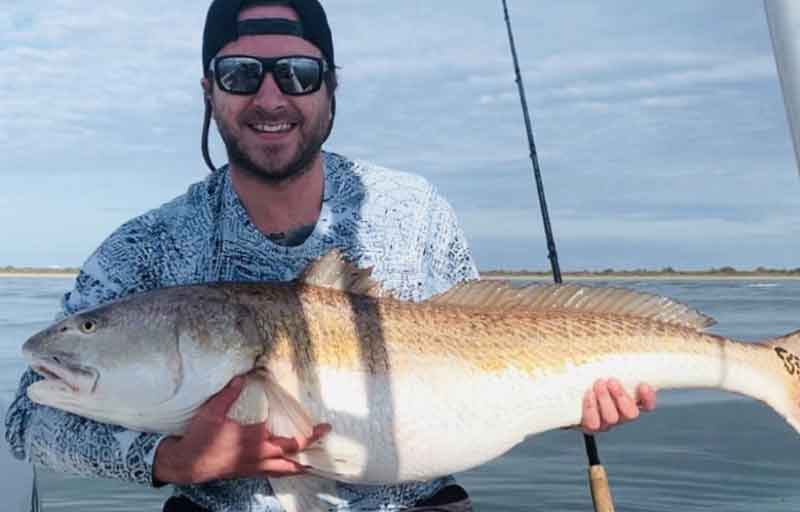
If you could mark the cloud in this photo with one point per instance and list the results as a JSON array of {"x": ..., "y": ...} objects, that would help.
[
  {"x": 505, "y": 97},
  {"x": 679, "y": 101},
  {"x": 725, "y": 70},
  {"x": 595, "y": 107}
]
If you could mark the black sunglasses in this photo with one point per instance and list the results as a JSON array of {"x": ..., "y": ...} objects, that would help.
[{"x": 295, "y": 75}]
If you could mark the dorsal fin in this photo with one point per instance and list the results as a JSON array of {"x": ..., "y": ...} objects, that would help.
[
  {"x": 333, "y": 271},
  {"x": 499, "y": 295}
]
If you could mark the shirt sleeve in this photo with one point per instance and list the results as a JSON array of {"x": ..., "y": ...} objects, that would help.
[{"x": 67, "y": 443}]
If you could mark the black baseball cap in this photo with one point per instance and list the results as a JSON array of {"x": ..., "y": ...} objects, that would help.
[{"x": 223, "y": 26}]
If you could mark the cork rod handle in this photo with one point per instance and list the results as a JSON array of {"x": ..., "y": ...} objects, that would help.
[{"x": 601, "y": 492}]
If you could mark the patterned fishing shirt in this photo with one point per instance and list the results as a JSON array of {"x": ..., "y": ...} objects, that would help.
[{"x": 394, "y": 222}]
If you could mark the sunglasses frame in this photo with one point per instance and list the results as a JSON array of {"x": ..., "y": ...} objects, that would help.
[{"x": 268, "y": 66}]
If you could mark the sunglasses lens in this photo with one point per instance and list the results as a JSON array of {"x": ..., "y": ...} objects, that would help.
[
  {"x": 294, "y": 75},
  {"x": 298, "y": 75},
  {"x": 239, "y": 75}
]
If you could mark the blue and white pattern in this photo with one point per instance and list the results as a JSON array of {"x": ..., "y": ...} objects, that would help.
[{"x": 395, "y": 223}]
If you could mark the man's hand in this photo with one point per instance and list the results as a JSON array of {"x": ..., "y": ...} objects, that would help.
[
  {"x": 215, "y": 447},
  {"x": 607, "y": 404}
]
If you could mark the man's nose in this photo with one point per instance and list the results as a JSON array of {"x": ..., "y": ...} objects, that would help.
[{"x": 269, "y": 94}]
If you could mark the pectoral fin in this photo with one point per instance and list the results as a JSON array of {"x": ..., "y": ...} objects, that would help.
[
  {"x": 262, "y": 399},
  {"x": 285, "y": 416},
  {"x": 334, "y": 456}
]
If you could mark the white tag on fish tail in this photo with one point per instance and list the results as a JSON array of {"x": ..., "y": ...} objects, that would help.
[{"x": 306, "y": 493}]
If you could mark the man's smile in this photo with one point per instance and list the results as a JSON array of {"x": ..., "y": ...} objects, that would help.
[{"x": 272, "y": 128}]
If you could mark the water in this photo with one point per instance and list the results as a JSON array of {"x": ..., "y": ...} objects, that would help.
[{"x": 700, "y": 450}]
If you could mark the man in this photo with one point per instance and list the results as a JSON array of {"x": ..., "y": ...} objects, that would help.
[{"x": 269, "y": 83}]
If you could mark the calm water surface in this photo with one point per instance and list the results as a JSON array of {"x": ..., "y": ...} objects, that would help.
[{"x": 700, "y": 450}]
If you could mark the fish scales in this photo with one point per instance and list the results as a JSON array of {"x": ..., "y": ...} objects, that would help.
[{"x": 338, "y": 329}]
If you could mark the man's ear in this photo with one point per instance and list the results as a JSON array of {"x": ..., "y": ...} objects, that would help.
[{"x": 205, "y": 83}]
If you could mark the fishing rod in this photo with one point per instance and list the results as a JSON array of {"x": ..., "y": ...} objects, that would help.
[
  {"x": 598, "y": 479},
  {"x": 36, "y": 504}
]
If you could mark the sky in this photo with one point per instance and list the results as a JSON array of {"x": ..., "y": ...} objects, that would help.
[{"x": 660, "y": 127}]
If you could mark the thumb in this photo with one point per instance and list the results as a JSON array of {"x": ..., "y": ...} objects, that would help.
[{"x": 219, "y": 404}]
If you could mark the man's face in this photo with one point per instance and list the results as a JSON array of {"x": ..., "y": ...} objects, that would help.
[{"x": 270, "y": 135}]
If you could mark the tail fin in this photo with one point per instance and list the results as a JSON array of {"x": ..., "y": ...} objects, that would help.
[
  {"x": 785, "y": 354},
  {"x": 789, "y": 341}
]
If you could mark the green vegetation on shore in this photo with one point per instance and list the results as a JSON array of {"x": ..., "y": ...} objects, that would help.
[{"x": 664, "y": 272}]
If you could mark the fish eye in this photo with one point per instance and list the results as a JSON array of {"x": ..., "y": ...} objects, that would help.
[{"x": 88, "y": 326}]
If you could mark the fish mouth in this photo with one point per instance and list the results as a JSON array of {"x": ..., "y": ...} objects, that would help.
[{"x": 59, "y": 371}]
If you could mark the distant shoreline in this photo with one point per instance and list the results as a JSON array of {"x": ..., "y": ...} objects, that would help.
[
  {"x": 38, "y": 274},
  {"x": 742, "y": 276}
]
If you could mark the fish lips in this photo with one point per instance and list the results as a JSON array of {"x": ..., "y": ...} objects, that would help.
[{"x": 60, "y": 370}]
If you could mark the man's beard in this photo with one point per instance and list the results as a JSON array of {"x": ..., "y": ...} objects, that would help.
[{"x": 298, "y": 164}]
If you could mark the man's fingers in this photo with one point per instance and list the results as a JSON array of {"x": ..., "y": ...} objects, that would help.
[
  {"x": 591, "y": 415},
  {"x": 646, "y": 397},
  {"x": 287, "y": 444},
  {"x": 282, "y": 467},
  {"x": 626, "y": 407},
  {"x": 271, "y": 467},
  {"x": 295, "y": 444},
  {"x": 319, "y": 431},
  {"x": 606, "y": 404},
  {"x": 268, "y": 445},
  {"x": 268, "y": 450},
  {"x": 275, "y": 448},
  {"x": 218, "y": 405}
]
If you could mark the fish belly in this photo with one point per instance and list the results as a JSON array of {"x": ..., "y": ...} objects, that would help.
[
  {"x": 446, "y": 416},
  {"x": 419, "y": 425}
]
